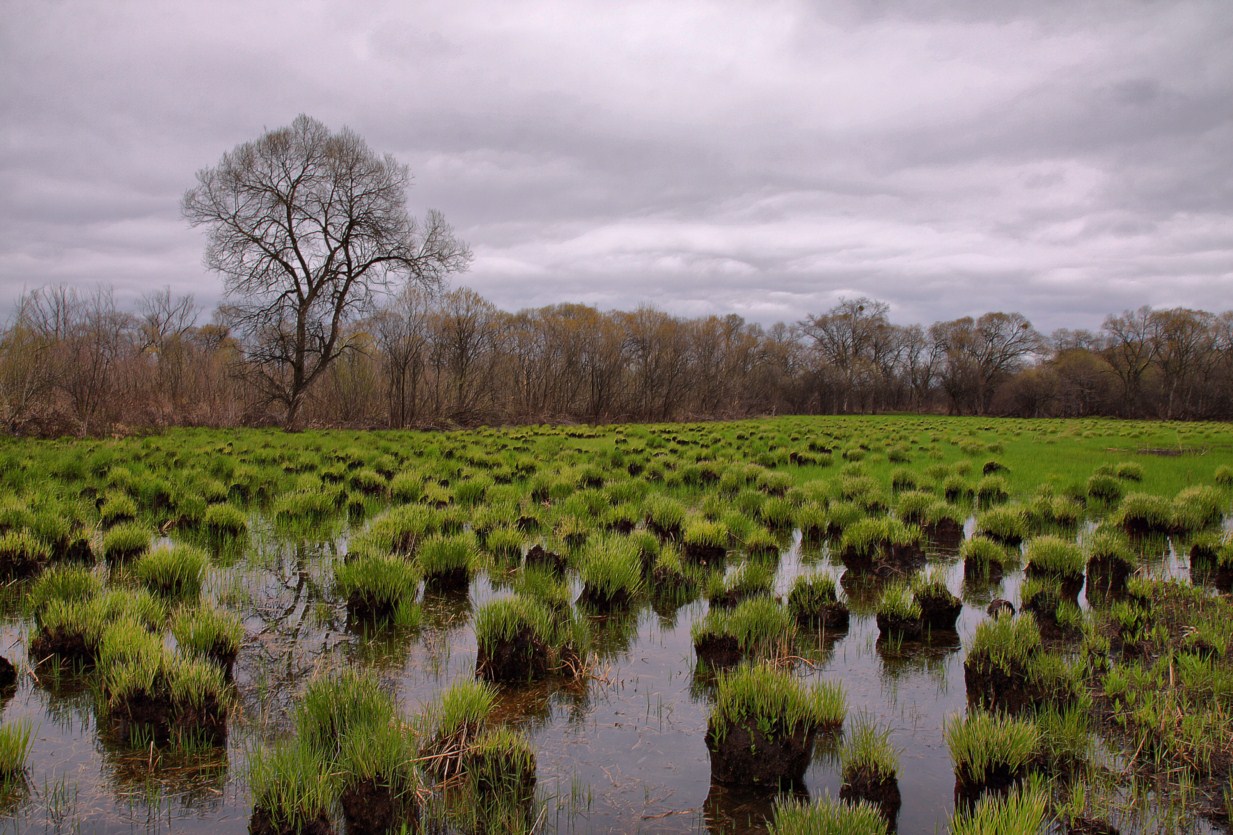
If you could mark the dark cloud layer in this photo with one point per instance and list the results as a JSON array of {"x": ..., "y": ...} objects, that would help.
[{"x": 1065, "y": 160}]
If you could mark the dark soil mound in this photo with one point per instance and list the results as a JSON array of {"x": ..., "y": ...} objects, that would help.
[
  {"x": 371, "y": 808},
  {"x": 599, "y": 603},
  {"x": 975, "y": 572},
  {"x": 445, "y": 582},
  {"x": 829, "y": 616},
  {"x": 944, "y": 534},
  {"x": 748, "y": 757},
  {"x": 718, "y": 651},
  {"x": 880, "y": 790},
  {"x": 1069, "y": 584},
  {"x": 894, "y": 627},
  {"x": 8, "y": 674},
  {"x": 705, "y": 554},
  {"x": 939, "y": 612},
  {"x": 994, "y": 688},
  {"x": 369, "y": 611},
  {"x": 155, "y": 717},
  {"x": 69, "y": 647},
  {"x": 1107, "y": 577},
  {"x": 886, "y": 560},
  {"x": 1000, "y": 606},
  {"x": 523, "y": 658},
  {"x": 538, "y": 555},
  {"x": 998, "y": 782}
]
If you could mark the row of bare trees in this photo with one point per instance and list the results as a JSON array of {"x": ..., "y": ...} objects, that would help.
[{"x": 74, "y": 363}]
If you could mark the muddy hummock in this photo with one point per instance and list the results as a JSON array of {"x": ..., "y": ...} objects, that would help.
[
  {"x": 718, "y": 651},
  {"x": 896, "y": 627},
  {"x": 540, "y": 556},
  {"x": 879, "y": 789},
  {"x": 523, "y": 658},
  {"x": 373, "y": 808},
  {"x": 748, "y": 757},
  {"x": 1107, "y": 577},
  {"x": 998, "y": 783},
  {"x": 939, "y": 612},
  {"x": 993, "y": 688},
  {"x": 453, "y": 580}
]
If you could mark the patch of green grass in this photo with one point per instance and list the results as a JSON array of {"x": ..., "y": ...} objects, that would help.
[
  {"x": 980, "y": 743},
  {"x": 775, "y": 702},
  {"x": 812, "y": 591},
  {"x": 1022, "y": 812},
  {"x": 501, "y": 762},
  {"x": 225, "y": 520},
  {"x": 65, "y": 583},
  {"x": 1055, "y": 557},
  {"x": 172, "y": 571},
  {"x": 336, "y": 706},
  {"x": 825, "y": 815},
  {"x": 1003, "y": 524},
  {"x": 867, "y": 748},
  {"x": 443, "y": 553},
  {"x": 15, "y": 742},
  {"x": 126, "y": 541},
  {"x": 22, "y": 553},
  {"x": 760, "y": 626},
  {"x": 207, "y": 631},
  {"x": 897, "y": 601},
  {"x": 292, "y": 782},
  {"x": 611, "y": 568},
  {"x": 1008, "y": 642}
]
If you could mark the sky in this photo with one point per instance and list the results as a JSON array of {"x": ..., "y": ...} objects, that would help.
[{"x": 1064, "y": 159}]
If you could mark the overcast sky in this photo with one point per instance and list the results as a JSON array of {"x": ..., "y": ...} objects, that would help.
[{"x": 1063, "y": 159}]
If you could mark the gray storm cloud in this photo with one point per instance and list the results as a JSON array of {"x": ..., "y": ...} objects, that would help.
[{"x": 1057, "y": 159}]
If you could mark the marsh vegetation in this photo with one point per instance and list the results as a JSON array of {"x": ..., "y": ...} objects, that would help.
[{"x": 747, "y": 627}]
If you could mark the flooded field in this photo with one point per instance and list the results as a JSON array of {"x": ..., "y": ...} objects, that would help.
[{"x": 620, "y": 740}]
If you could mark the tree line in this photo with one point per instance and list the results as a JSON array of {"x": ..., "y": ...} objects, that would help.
[{"x": 74, "y": 362}]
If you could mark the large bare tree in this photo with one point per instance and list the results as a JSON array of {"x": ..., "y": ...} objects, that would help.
[{"x": 307, "y": 227}]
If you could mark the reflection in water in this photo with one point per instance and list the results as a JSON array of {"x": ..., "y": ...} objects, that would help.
[
  {"x": 623, "y": 750},
  {"x": 728, "y": 810}
]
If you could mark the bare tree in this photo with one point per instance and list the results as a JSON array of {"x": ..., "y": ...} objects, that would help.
[
  {"x": 165, "y": 323},
  {"x": 307, "y": 227},
  {"x": 845, "y": 338},
  {"x": 25, "y": 372},
  {"x": 1131, "y": 342},
  {"x": 980, "y": 353}
]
